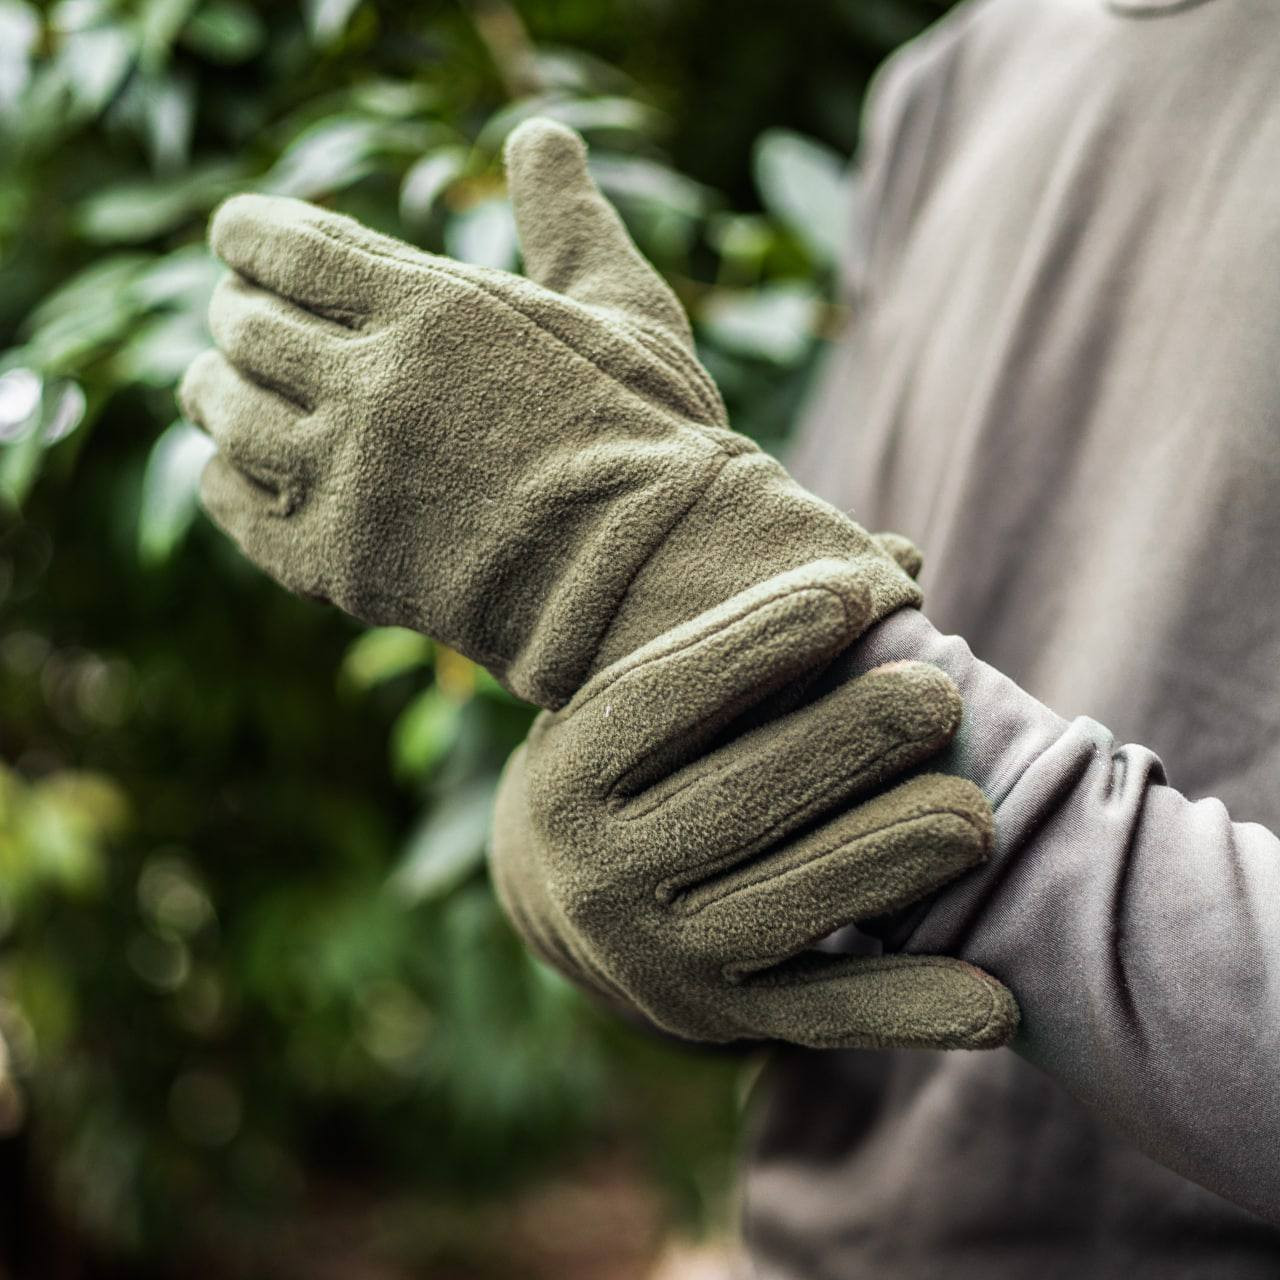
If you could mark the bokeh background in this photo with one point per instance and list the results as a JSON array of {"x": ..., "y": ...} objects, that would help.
[{"x": 259, "y": 1015}]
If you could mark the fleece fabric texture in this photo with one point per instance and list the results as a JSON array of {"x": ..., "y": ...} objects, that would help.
[
  {"x": 692, "y": 884},
  {"x": 525, "y": 469}
]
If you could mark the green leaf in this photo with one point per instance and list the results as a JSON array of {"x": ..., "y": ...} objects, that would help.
[
  {"x": 448, "y": 845},
  {"x": 34, "y": 414},
  {"x": 330, "y": 155},
  {"x": 742, "y": 240},
  {"x": 661, "y": 207},
  {"x": 776, "y": 322},
  {"x": 423, "y": 733},
  {"x": 19, "y": 468},
  {"x": 577, "y": 71},
  {"x": 395, "y": 99},
  {"x": 327, "y": 19},
  {"x": 168, "y": 115},
  {"x": 134, "y": 212},
  {"x": 487, "y": 686},
  {"x": 106, "y": 278},
  {"x": 227, "y": 32},
  {"x": 170, "y": 490},
  {"x": 803, "y": 184},
  {"x": 61, "y": 823},
  {"x": 63, "y": 411},
  {"x": 427, "y": 179},
  {"x": 19, "y": 31},
  {"x": 91, "y": 311},
  {"x": 382, "y": 654},
  {"x": 185, "y": 278},
  {"x": 624, "y": 177},
  {"x": 66, "y": 16},
  {"x": 92, "y": 65},
  {"x": 20, "y": 394},
  {"x": 158, "y": 351},
  {"x": 161, "y": 20},
  {"x": 484, "y": 234},
  {"x": 608, "y": 115}
]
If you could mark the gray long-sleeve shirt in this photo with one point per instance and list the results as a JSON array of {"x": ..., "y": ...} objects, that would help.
[{"x": 1063, "y": 380}]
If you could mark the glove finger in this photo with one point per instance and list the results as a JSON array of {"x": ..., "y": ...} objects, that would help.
[
  {"x": 909, "y": 557},
  {"x": 277, "y": 344},
  {"x": 255, "y": 429},
  {"x": 790, "y": 771},
  {"x": 571, "y": 237},
  {"x": 316, "y": 259},
  {"x": 877, "y": 857},
  {"x": 251, "y": 517},
  {"x": 657, "y": 704},
  {"x": 886, "y": 1002}
]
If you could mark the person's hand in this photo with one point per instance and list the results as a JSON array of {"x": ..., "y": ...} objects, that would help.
[
  {"x": 535, "y": 471},
  {"x": 684, "y": 870}
]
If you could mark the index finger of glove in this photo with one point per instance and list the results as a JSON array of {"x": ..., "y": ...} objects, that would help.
[
  {"x": 319, "y": 260},
  {"x": 679, "y": 690}
]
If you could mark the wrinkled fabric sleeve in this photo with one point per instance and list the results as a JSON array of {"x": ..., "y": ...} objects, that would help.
[{"x": 1139, "y": 930}]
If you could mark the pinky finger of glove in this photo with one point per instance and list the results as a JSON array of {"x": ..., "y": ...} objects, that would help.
[
  {"x": 909, "y": 557},
  {"x": 885, "y": 1002}
]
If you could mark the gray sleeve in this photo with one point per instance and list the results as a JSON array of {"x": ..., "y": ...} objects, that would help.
[{"x": 1140, "y": 931}]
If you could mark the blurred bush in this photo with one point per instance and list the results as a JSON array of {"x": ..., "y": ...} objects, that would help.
[{"x": 258, "y": 1012}]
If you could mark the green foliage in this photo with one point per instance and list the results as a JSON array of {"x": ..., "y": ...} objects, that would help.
[{"x": 250, "y": 955}]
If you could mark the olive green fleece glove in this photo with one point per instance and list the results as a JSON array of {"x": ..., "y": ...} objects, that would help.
[
  {"x": 525, "y": 469},
  {"x": 666, "y": 861}
]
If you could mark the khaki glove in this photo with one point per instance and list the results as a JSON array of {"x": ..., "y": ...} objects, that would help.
[
  {"x": 535, "y": 471},
  {"x": 688, "y": 877}
]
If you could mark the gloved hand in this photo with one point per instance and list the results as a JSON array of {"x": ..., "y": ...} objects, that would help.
[
  {"x": 536, "y": 472},
  {"x": 684, "y": 869}
]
